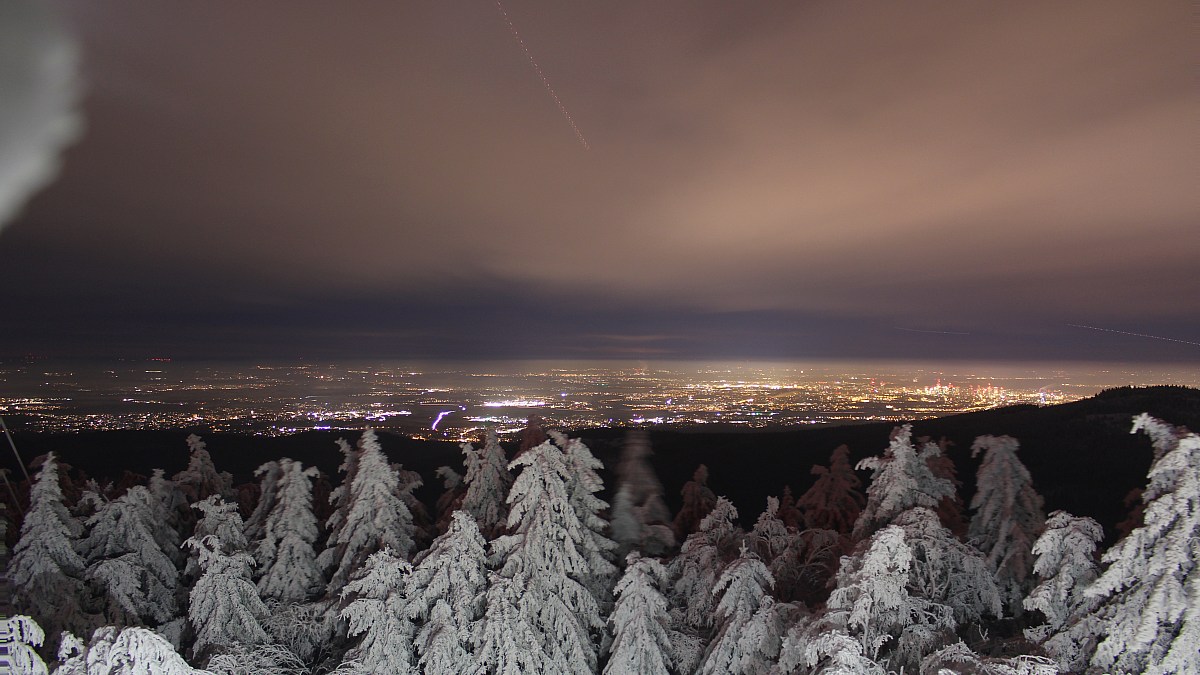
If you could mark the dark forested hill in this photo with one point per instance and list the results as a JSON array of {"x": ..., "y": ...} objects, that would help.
[{"x": 1081, "y": 455}]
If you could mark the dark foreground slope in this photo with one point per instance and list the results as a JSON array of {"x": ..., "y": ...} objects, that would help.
[{"x": 1081, "y": 455}]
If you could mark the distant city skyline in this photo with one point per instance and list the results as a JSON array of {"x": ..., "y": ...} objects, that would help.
[{"x": 666, "y": 180}]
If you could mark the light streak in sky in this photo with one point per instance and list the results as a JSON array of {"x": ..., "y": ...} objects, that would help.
[
  {"x": 939, "y": 332},
  {"x": 542, "y": 76},
  {"x": 439, "y": 418},
  {"x": 1152, "y": 337}
]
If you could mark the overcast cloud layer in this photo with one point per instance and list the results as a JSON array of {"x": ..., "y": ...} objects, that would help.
[{"x": 763, "y": 179}]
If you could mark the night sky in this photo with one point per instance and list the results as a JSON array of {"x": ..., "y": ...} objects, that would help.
[{"x": 714, "y": 180}]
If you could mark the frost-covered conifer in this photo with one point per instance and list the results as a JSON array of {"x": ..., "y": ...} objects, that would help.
[
  {"x": 958, "y": 658},
  {"x": 488, "y": 481},
  {"x": 123, "y": 651},
  {"x": 698, "y": 500},
  {"x": 22, "y": 636},
  {"x": 453, "y": 491},
  {"x": 261, "y": 659},
  {"x": 1066, "y": 565},
  {"x": 640, "y": 623},
  {"x": 640, "y": 518},
  {"x": 256, "y": 524},
  {"x": 834, "y": 501},
  {"x": 445, "y": 593},
  {"x": 171, "y": 509},
  {"x": 407, "y": 483},
  {"x": 136, "y": 578},
  {"x": 1149, "y": 593},
  {"x": 379, "y": 612},
  {"x": 947, "y": 571},
  {"x": 376, "y": 518},
  {"x": 545, "y": 558},
  {"x": 200, "y": 479},
  {"x": 1008, "y": 517},
  {"x": 901, "y": 480},
  {"x": 743, "y": 588},
  {"x": 285, "y": 555},
  {"x": 583, "y": 484},
  {"x": 221, "y": 519},
  {"x": 45, "y": 570},
  {"x": 509, "y": 641},
  {"x": 832, "y": 651},
  {"x": 872, "y": 602},
  {"x": 699, "y": 564},
  {"x": 770, "y": 537},
  {"x": 950, "y": 509},
  {"x": 225, "y": 609}
]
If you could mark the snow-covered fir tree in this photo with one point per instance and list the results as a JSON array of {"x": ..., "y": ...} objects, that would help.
[
  {"x": 508, "y": 640},
  {"x": 833, "y": 652},
  {"x": 834, "y": 501},
  {"x": 201, "y": 479},
  {"x": 135, "y": 577},
  {"x": 224, "y": 608},
  {"x": 171, "y": 512},
  {"x": 640, "y": 623},
  {"x": 222, "y": 520},
  {"x": 950, "y": 509},
  {"x": 947, "y": 571},
  {"x": 698, "y": 500},
  {"x": 770, "y": 537},
  {"x": 407, "y": 483},
  {"x": 1007, "y": 519},
  {"x": 123, "y": 651},
  {"x": 339, "y": 500},
  {"x": 872, "y": 603},
  {"x": 286, "y": 558},
  {"x": 269, "y": 474},
  {"x": 488, "y": 481},
  {"x": 1065, "y": 566},
  {"x": 901, "y": 479},
  {"x": 958, "y": 658},
  {"x": 378, "y": 611},
  {"x": 583, "y": 484},
  {"x": 743, "y": 588},
  {"x": 22, "y": 636},
  {"x": 45, "y": 571},
  {"x": 376, "y": 517},
  {"x": 1149, "y": 592},
  {"x": 545, "y": 560},
  {"x": 640, "y": 518},
  {"x": 699, "y": 563},
  {"x": 445, "y": 593}
]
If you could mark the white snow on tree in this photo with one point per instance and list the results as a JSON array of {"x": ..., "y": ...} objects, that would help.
[
  {"x": 21, "y": 636},
  {"x": 545, "y": 559},
  {"x": 378, "y": 611},
  {"x": 407, "y": 483},
  {"x": 46, "y": 571},
  {"x": 872, "y": 603},
  {"x": 833, "y": 652},
  {"x": 262, "y": 659},
  {"x": 225, "y": 609},
  {"x": 286, "y": 558},
  {"x": 268, "y": 491},
  {"x": 834, "y": 501},
  {"x": 488, "y": 481},
  {"x": 743, "y": 587},
  {"x": 445, "y": 593},
  {"x": 958, "y": 659},
  {"x": 583, "y": 484},
  {"x": 171, "y": 511},
  {"x": 640, "y": 623},
  {"x": 640, "y": 518},
  {"x": 200, "y": 479},
  {"x": 136, "y": 578},
  {"x": 508, "y": 641},
  {"x": 124, "y": 651},
  {"x": 1066, "y": 565},
  {"x": 376, "y": 518},
  {"x": 901, "y": 479},
  {"x": 222, "y": 520},
  {"x": 1149, "y": 592},
  {"x": 770, "y": 537},
  {"x": 304, "y": 629},
  {"x": 947, "y": 571},
  {"x": 1007, "y": 517},
  {"x": 699, "y": 564}
]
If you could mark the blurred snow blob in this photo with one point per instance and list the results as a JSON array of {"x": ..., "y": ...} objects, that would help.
[{"x": 38, "y": 92}]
